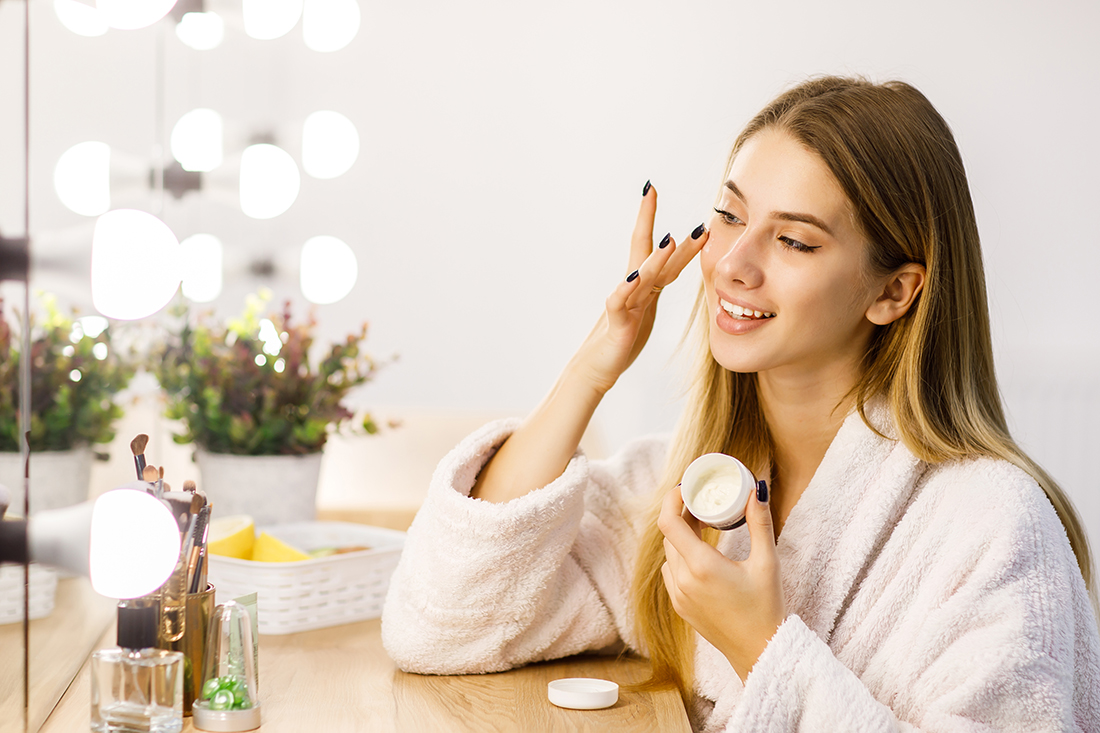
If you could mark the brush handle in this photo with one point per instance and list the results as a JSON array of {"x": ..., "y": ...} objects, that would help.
[
  {"x": 173, "y": 597},
  {"x": 139, "y": 461}
]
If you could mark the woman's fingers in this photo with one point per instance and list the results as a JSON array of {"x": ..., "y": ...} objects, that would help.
[
  {"x": 662, "y": 267},
  {"x": 641, "y": 241},
  {"x": 650, "y": 274},
  {"x": 685, "y": 252},
  {"x": 682, "y": 542}
]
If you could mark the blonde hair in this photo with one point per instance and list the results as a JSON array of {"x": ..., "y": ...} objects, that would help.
[{"x": 896, "y": 160}]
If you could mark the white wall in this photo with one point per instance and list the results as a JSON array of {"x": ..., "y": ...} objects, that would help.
[{"x": 505, "y": 145}]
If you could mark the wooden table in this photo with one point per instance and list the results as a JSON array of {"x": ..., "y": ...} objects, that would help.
[{"x": 340, "y": 679}]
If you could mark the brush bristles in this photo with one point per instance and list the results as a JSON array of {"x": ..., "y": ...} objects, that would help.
[
  {"x": 149, "y": 474},
  {"x": 189, "y": 485},
  {"x": 137, "y": 445}
]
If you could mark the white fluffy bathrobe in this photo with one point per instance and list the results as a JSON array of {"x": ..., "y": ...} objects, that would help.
[{"x": 935, "y": 598}]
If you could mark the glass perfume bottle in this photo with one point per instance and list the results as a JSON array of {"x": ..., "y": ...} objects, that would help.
[{"x": 137, "y": 688}]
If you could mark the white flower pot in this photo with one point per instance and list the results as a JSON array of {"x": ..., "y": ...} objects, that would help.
[
  {"x": 271, "y": 489},
  {"x": 58, "y": 478}
]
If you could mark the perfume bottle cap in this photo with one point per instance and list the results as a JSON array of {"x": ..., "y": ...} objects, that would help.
[{"x": 137, "y": 626}]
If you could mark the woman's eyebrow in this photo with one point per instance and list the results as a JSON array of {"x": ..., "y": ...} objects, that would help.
[{"x": 786, "y": 215}]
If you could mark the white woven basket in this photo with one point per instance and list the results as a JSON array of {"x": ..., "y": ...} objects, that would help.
[
  {"x": 43, "y": 592},
  {"x": 313, "y": 594}
]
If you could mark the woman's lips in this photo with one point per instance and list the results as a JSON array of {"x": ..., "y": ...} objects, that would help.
[{"x": 736, "y": 326}]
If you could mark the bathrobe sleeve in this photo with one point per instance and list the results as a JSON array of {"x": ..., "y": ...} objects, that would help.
[
  {"x": 484, "y": 587},
  {"x": 973, "y": 617}
]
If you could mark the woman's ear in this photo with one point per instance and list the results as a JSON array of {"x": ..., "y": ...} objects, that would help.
[{"x": 901, "y": 289}]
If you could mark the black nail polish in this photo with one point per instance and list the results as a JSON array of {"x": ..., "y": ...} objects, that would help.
[
  {"x": 645, "y": 189},
  {"x": 762, "y": 491},
  {"x": 665, "y": 241},
  {"x": 698, "y": 232},
  {"x": 632, "y": 277}
]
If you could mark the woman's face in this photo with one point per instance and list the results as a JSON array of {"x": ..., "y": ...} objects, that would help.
[{"x": 784, "y": 268}]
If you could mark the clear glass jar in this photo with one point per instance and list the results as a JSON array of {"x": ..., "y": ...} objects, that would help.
[{"x": 137, "y": 690}]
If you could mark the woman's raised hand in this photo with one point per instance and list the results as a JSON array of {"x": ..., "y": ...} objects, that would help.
[
  {"x": 540, "y": 448},
  {"x": 623, "y": 329}
]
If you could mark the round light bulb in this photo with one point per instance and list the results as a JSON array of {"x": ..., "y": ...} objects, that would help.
[
  {"x": 135, "y": 264},
  {"x": 134, "y": 544},
  {"x": 201, "y": 31},
  {"x": 328, "y": 270},
  {"x": 330, "y": 144},
  {"x": 265, "y": 20},
  {"x": 81, "y": 18},
  {"x": 329, "y": 25},
  {"x": 196, "y": 140},
  {"x": 129, "y": 15},
  {"x": 82, "y": 178},
  {"x": 270, "y": 181},
  {"x": 202, "y": 276},
  {"x": 92, "y": 326}
]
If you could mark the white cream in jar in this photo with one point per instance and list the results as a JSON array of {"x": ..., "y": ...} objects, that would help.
[{"x": 716, "y": 490}]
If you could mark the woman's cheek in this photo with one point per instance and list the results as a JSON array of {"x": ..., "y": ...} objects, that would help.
[{"x": 709, "y": 256}]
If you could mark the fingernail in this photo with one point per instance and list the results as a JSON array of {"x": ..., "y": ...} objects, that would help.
[
  {"x": 665, "y": 241},
  {"x": 645, "y": 189},
  {"x": 698, "y": 231},
  {"x": 632, "y": 277},
  {"x": 762, "y": 491}
]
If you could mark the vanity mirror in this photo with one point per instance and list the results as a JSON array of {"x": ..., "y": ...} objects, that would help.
[{"x": 167, "y": 157}]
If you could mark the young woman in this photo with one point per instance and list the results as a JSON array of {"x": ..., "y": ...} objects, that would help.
[{"x": 909, "y": 568}]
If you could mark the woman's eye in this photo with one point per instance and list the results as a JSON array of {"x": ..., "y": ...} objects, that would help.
[
  {"x": 796, "y": 245},
  {"x": 728, "y": 217}
]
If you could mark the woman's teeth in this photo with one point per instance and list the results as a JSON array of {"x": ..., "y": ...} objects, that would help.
[{"x": 744, "y": 313}]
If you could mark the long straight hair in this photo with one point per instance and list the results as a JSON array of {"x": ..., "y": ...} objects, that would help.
[{"x": 897, "y": 162}]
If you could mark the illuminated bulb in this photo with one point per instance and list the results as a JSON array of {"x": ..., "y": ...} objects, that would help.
[
  {"x": 269, "y": 181},
  {"x": 280, "y": 365},
  {"x": 329, "y": 25},
  {"x": 268, "y": 19},
  {"x": 74, "y": 375},
  {"x": 201, "y": 31},
  {"x": 134, "y": 544},
  {"x": 260, "y": 359},
  {"x": 202, "y": 273},
  {"x": 129, "y": 15},
  {"x": 330, "y": 144},
  {"x": 197, "y": 140},
  {"x": 99, "y": 351},
  {"x": 81, "y": 18},
  {"x": 328, "y": 270},
  {"x": 82, "y": 178},
  {"x": 135, "y": 264},
  {"x": 91, "y": 326},
  {"x": 270, "y": 336}
]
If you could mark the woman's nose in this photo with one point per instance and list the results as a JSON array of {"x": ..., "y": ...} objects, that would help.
[{"x": 741, "y": 260}]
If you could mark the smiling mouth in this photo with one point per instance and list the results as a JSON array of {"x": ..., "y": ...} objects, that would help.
[{"x": 744, "y": 314}]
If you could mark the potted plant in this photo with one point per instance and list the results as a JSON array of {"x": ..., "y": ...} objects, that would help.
[
  {"x": 256, "y": 408},
  {"x": 76, "y": 371}
]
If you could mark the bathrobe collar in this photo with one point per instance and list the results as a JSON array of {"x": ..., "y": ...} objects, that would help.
[{"x": 852, "y": 503}]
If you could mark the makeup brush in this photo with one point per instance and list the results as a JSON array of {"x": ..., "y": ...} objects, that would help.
[
  {"x": 137, "y": 445},
  {"x": 203, "y": 563},
  {"x": 173, "y": 594},
  {"x": 198, "y": 538},
  {"x": 189, "y": 485}
]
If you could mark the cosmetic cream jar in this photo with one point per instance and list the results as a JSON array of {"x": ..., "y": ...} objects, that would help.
[{"x": 716, "y": 490}]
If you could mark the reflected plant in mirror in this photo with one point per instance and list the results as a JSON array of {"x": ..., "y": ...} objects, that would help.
[{"x": 77, "y": 369}]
